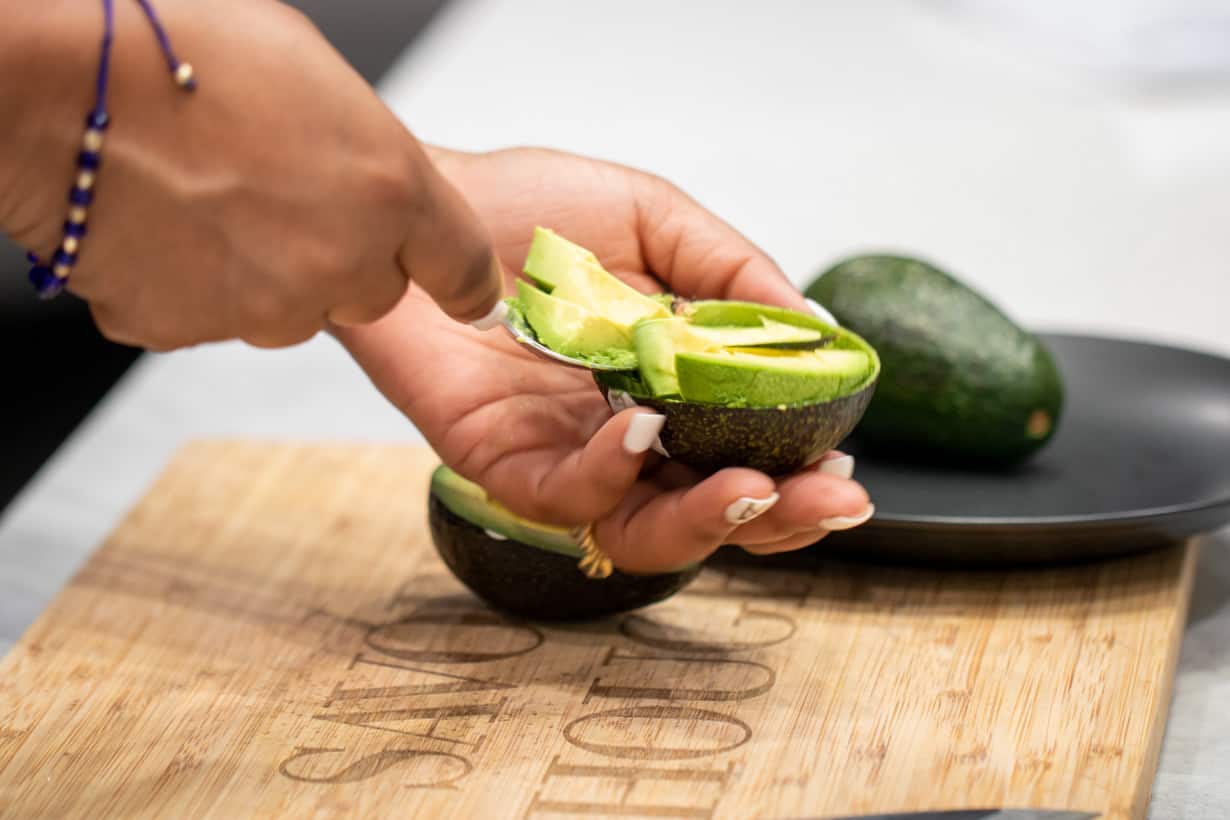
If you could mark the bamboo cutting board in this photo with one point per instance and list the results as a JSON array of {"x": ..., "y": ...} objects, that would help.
[{"x": 270, "y": 633}]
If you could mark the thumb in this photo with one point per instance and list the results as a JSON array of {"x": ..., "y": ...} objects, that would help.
[{"x": 448, "y": 253}]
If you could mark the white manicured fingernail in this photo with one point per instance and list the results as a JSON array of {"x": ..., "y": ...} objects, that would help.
[
  {"x": 643, "y": 432},
  {"x": 493, "y": 318},
  {"x": 842, "y": 466},
  {"x": 822, "y": 312},
  {"x": 745, "y": 508},
  {"x": 848, "y": 522}
]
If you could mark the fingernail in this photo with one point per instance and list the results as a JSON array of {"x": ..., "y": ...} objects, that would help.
[
  {"x": 493, "y": 318},
  {"x": 848, "y": 522},
  {"x": 822, "y": 312},
  {"x": 842, "y": 467},
  {"x": 642, "y": 432},
  {"x": 745, "y": 508}
]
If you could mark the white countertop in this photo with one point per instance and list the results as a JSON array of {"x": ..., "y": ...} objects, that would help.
[{"x": 1077, "y": 201}]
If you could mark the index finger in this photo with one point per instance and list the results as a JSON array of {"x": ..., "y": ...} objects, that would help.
[
  {"x": 699, "y": 255},
  {"x": 448, "y": 252}
]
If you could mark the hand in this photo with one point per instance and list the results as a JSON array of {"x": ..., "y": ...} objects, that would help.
[
  {"x": 279, "y": 196},
  {"x": 539, "y": 436}
]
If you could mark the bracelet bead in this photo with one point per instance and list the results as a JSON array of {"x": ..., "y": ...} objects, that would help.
[
  {"x": 46, "y": 283},
  {"x": 185, "y": 77}
]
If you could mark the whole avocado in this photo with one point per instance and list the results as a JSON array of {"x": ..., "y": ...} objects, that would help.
[{"x": 959, "y": 378}]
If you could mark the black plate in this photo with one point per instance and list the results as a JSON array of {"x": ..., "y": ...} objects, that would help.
[{"x": 1141, "y": 459}]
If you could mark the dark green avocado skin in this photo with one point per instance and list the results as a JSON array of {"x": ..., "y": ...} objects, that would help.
[
  {"x": 959, "y": 378},
  {"x": 530, "y": 582},
  {"x": 772, "y": 440}
]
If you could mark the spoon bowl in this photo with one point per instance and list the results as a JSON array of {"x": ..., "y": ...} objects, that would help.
[{"x": 517, "y": 328}]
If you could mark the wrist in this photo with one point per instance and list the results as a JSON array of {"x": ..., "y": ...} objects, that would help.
[
  {"x": 48, "y": 54},
  {"x": 45, "y": 137}
]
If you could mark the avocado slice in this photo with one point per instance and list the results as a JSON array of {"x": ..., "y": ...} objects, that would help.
[
  {"x": 770, "y": 333},
  {"x": 658, "y": 341},
  {"x": 551, "y": 256},
  {"x": 961, "y": 379},
  {"x": 527, "y": 568},
  {"x": 573, "y": 330},
  {"x": 764, "y": 378},
  {"x": 573, "y": 274},
  {"x": 589, "y": 286},
  {"x": 732, "y": 313}
]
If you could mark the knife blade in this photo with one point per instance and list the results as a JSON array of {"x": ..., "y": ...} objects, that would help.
[{"x": 974, "y": 814}]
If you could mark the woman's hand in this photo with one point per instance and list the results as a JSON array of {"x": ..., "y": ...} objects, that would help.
[
  {"x": 539, "y": 436},
  {"x": 278, "y": 197}
]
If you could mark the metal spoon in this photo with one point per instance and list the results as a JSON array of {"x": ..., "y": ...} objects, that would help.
[
  {"x": 538, "y": 347},
  {"x": 523, "y": 335}
]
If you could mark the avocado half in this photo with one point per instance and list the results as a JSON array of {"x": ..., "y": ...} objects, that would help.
[
  {"x": 775, "y": 440},
  {"x": 526, "y": 568},
  {"x": 741, "y": 384}
]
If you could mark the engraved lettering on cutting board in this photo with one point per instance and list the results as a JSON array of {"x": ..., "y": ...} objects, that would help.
[
  {"x": 436, "y": 717},
  {"x": 373, "y": 764},
  {"x": 698, "y": 670},
  {"x": 399, "y": 639},
  {"x": 662, "y": 697},
  {"x": 743, "y": 678},
  {"x": 571, "y": 776},
  {"x": 694, "y": 718}
]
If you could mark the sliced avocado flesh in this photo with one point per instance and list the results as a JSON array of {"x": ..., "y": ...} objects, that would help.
[
  {"x": 769, "y": 333},
  {"x": 767, "y": 378},
  {"x": 593, "y": 316},
  {"x": 551, "y": 256},
  {"x": 657, "y": 341},
  {"x": 719, "y": 313},
  {"x": 470, "y": 501},
  {"x": 589, "y": 286},
  {"x": 575, "y": 331},
  {"x": 574, "y": 274}
]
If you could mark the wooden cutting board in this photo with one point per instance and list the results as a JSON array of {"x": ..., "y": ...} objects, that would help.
[{"x": 270, "y": 633}]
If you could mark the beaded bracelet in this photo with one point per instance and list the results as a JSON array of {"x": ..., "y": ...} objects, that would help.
[{"x": 49, "y": 276}]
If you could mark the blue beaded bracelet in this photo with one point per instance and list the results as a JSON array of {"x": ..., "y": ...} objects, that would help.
[{"x": 50, "y": 275}]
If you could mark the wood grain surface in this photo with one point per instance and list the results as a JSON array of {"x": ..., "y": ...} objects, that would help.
[{"x": 270, "y": 633}]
